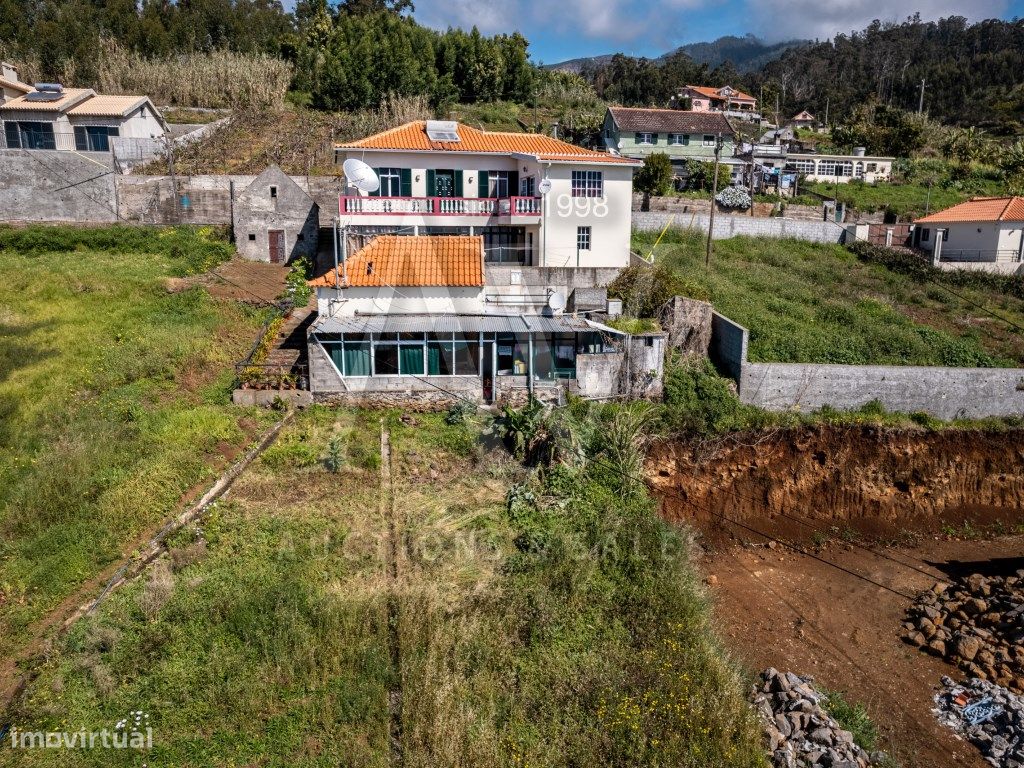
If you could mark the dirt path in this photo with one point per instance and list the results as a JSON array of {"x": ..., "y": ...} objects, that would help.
[{"x": 779, "y": 608}]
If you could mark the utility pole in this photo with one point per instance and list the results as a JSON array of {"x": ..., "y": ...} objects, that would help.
[
  {"x": 826, "y": 112},
  {"x": 714, "y": 192},
  {"x": 920, "y": 99}
]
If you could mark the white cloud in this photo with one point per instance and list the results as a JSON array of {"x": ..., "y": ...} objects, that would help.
[
  {"x": 619, "y": 21},
  {"x": 813, "y": 19}
]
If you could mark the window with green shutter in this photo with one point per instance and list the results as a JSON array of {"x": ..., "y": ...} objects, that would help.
[
  {"x": 406, "y": 182},
  {"x": 483, "y": 180},
  {"x": 431, "y": 182}
]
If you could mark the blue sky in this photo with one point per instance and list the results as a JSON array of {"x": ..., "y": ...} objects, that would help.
[{"x": 565, "y": 29}]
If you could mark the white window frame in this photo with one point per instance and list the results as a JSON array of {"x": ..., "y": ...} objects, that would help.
[
  {"x": 392, "y": 178},
  {"x": 645, "y": 139},
  {"x": 678, "y": 139},
  {"x": 587, "y": 184},
  {"x": 583, "y": 238},
  {"x": 498, "y": 184},
  {"x": 709, "y": 140}
]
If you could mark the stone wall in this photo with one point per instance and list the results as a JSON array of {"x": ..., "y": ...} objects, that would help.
[
  {"x": 946, "y": 393},
  {"x": 688, "y": 325},
  {"x": 688, "y": 205},
  {"x": 207, "y": 199},
  {"x": 731, "y": 226},
  {"x": 39, "y": 185}
]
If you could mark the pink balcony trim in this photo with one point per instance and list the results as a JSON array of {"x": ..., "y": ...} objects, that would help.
[{"x": 438, "y": 206}]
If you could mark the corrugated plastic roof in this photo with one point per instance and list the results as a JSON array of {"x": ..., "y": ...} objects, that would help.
[
  {"x": 454, "y": 324},
  {"x": 413, "y": 136},
  {"x": 415, "y": 260},
  {"x": 980, "y": 209}
]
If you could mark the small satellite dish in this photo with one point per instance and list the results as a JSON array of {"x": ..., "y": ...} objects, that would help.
[
  {"x": 544, "y": 186},
  {"x": 360, "y": 175},
  {"x": 556, "y": 301}
]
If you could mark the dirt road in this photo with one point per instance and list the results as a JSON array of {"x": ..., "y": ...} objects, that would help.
[{"x": 783, "y": 609}]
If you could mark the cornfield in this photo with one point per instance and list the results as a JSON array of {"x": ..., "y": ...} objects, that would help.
[{"x": 217, "y": 79}]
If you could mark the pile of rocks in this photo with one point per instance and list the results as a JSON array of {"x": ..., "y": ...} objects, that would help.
[
  {"x": 976, "y": 624},
  {"x": 800, "y": 732},
  {"x": 988, "y": 715}
]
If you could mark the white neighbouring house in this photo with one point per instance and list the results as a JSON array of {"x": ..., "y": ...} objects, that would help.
[
  {"x": 474, "y": 270},
  {"x": 985, "y": 233},
  {"x": 840, "y": 168},
  {"x": 50, "y": 116}
]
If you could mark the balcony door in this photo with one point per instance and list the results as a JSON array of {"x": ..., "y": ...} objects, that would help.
[{"x": 444, "y": 183}]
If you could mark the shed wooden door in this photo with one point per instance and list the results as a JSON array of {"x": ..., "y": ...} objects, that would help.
[{"x": 276, "y": 238}]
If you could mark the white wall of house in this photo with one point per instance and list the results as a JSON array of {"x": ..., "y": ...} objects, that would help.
[
  {"x": 402, "y": 300},
  {"x": 977, "y": 241},
  {"x": 819, "y": 167},
  {"x": 609, "y": 217},
  {"x": 143, "y": 123}
]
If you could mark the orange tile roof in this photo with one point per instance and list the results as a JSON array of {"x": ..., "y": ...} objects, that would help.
[
  {"x": 109, "y": 106},
  {"x": 716, "y": 93},
  {"x": 980, "y": 209},
  {"x": 414, "y": 260},
  {"x": 68, "y": 98},
  {"x": 14, "y": 85},
  {"x": 413, "y": 136}
]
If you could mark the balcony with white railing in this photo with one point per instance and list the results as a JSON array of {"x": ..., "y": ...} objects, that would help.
[
  {"x": 522, "y": 207},
  {"x": 981, "y": 255}
]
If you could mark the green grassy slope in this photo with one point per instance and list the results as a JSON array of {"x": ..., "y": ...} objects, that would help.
[
  {"x": 532, "y": 617},
  {"x": 806, "y": 302},
  {"x": 113, "y": 400}
]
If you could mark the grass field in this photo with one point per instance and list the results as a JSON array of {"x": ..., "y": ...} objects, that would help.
[
  {"x": 806, "y": 302},
  {"x": 113, "y": 401},
  {"x": 905, "y": 200},
  {"x": 494, "y": 616}
]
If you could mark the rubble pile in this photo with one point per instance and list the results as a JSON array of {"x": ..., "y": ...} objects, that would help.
[
  {"x": 800, "y": 732},
  {"x": 977, "y": 624},
  {"x": 987, "y": 715}
]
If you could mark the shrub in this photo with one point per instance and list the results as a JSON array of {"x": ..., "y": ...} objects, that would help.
[
  {"x": 157, "y": 590},
  {"x": 734, "y": 197},
  {"x": 645, "y": 290},
  {"x": 700, "y": 401}
]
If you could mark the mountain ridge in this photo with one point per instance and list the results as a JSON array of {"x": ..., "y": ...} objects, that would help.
[{"x": 747, "y": 53}]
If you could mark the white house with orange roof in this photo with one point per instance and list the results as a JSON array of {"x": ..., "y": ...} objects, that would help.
[
  {"x": 474, "y": 271},
  {"x": 984, "y": 233},
  {"x": 49, "y": 116}
]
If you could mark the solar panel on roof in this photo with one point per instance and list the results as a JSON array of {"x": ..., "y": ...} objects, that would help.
[{"x": 442, "y": 130}]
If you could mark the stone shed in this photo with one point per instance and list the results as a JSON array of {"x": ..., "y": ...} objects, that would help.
[{"x": 275, "y": 219}]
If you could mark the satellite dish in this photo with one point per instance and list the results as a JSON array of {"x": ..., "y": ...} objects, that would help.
[
  {"x": 544, "y": 186},
  {"x": 556, "y": 302},
  {"x": 360, "y": 175}
]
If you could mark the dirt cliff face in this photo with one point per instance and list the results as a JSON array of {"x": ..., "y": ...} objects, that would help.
[{"x": 871, "y": 479}]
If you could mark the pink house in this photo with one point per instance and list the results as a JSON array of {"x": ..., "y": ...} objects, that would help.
[{"x": 724, "y": 99}]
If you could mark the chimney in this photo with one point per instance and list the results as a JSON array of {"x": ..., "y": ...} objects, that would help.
[
  {"x": 554, "y": 129},
  {"x": 8, "y": 72}
]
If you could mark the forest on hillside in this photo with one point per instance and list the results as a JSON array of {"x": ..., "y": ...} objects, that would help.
[{"x": 354, "y": 54}]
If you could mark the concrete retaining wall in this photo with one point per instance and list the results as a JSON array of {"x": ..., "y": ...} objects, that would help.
[
  {"x": 152, "y": 199},
  {"x": 39, "y": 185},
  {"x": 946, "y": 393},
  {"x": 731, "y": 226}
]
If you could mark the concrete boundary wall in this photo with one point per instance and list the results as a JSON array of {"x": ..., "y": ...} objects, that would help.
[
  {"x": 946, "y": 393},
  {"x": 731, "y": 226},
  {"x": 56, "y": 187}
]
